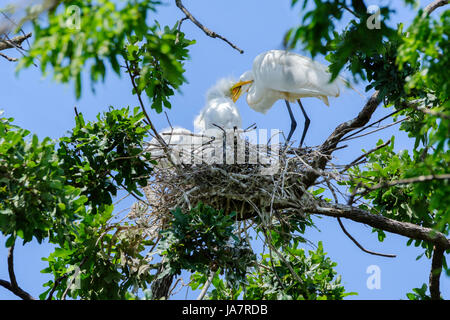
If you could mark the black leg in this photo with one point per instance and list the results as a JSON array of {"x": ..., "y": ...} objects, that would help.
[
  {"x": 307, "y": 122},
  {"x": 293, "y": 122}
]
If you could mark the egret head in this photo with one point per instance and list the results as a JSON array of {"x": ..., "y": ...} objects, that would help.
[
  {"x": 221, "y": 89},
  {"x": 242, "y": 85}
]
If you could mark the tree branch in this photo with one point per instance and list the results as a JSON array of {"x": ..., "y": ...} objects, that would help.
[
  {"x": 206, "y": 285},
  {"x": 415, "y": 106},
  {"x": 325, "y": 150},
  {"x": 7, "y": 57},
  {"x": 384, "y": 184},
  {"x": 14, "y": 42},
  {"x": 364, "y": 155},
  {"x": 433, "y": 6},
  {"x": 208, "y": 32},
  {"x": 360, "y": 246},
  {"x": 435, "y": 274},
  {"x": 12, "y": 284},
  {"x": 406, "y": 229}
]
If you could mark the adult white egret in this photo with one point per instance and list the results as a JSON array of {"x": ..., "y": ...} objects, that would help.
[{"x": 279, "y": 74}]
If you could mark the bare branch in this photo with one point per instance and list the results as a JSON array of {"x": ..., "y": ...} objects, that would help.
[
  {"x": 435, "y": 274},
  {"x": 206, "y": 285},
  {"x": 14, "y": 42},
  {"x": 349, "y": 235},
  {"x": 414, "y": 105},
  {"x": 365, "y": 155},
  {"x": 360, "y": 246},
  {"x": 12, "y": 284},
  {"x": 380, "y": 185},
  {"x": 376, "y": 130},
  {"x": 7, "y": 57},
  {"x": 433, "y": 6},
  {"x": 208, "y": 32}
]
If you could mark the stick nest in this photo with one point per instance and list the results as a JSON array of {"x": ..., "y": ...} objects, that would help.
[{"x": 251, "y": 188}]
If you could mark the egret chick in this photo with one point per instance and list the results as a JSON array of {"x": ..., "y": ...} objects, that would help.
[
  {"x": 177, "y": 140},
  {"x": 220, "y": 110}
]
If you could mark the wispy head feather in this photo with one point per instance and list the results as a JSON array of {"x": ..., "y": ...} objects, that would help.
[{"x": 221, "y": 89}]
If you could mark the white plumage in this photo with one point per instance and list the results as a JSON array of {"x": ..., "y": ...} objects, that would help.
[
  {"x": 279, "y": 74},
  {"x": 178, "y": 140},
  {"x": 219, "y": 111}
]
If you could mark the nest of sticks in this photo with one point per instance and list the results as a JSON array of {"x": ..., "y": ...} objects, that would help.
[{"x": 254, "y": 181}]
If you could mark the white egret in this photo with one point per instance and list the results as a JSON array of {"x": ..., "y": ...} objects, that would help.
[
  {"x": 220, "y": 110},
  {"x": 219, "y": 119},
  {"x": 279, "y": 74},
  {"x": 177, "y": 139}
]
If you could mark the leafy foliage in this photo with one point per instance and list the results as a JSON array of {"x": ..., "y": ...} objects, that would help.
[
  {"x": 156, "y": 63},
  {"x": 35, "y": 201},
  {"x": 101, "y": 261},
  {"x": 273, "y": 280},
  {"x": 419, "y": 293},
  {"x": 99, "y": 37},
  {"x": 203, "y": 240},
  {"x": 100, "y": 157}
]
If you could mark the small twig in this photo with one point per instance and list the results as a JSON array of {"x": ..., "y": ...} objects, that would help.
[
  {"x": 354, "y": 162},
  {"x": 371, "y": 124},
  {"x": 8, "y": 58},
  {"x": 385, "y": 184},
  {"x": 349, "y": 235},
  {"x": 208, "y": 32},
  {"x": 360, "y": 246},
  {"x": 376, "y": 130},
  {"x": 168, "y": 120}
]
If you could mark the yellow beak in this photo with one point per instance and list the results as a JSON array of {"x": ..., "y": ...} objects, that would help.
[{"x": 236, "y": 90}]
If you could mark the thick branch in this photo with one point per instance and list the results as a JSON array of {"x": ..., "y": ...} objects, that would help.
[
  {"x": 14, "y": 42},
  {"x": 208, "y": 32},
  {"x": 330, "y": 144},
  {"x": 435, "y": 274},
  {"x": 406, "y": 229}
]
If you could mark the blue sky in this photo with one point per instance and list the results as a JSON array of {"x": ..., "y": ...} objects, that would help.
[{"x": 46, "y": 108}]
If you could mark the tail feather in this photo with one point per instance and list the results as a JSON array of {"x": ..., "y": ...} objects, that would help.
[{"x": 348, "y": 84}]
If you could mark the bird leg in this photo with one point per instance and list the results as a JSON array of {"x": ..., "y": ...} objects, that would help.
[
  {"x": 307, "y": 122},
  {"x": 293, "y": 122}
]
